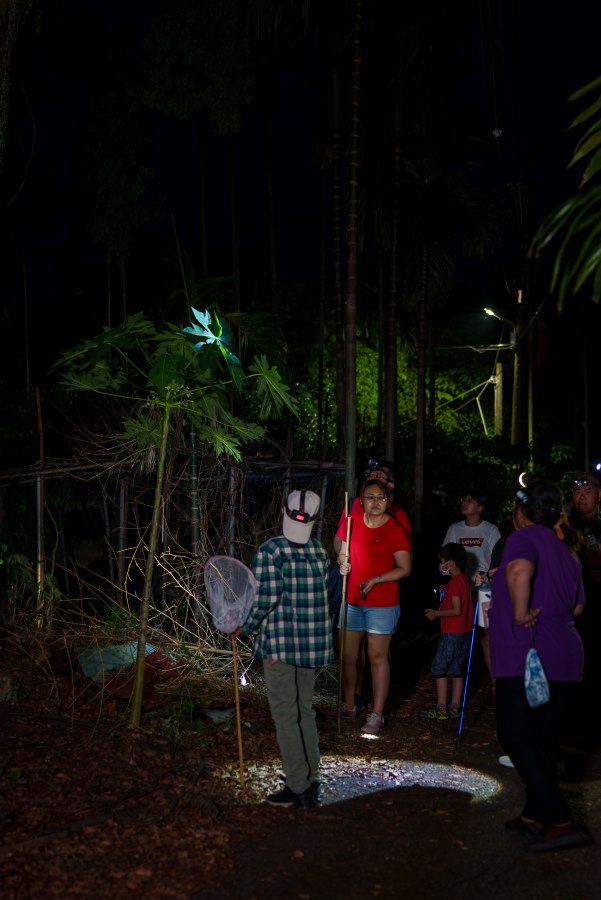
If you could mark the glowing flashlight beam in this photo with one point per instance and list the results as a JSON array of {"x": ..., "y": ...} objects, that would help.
[{"x": 346, "y": 779}]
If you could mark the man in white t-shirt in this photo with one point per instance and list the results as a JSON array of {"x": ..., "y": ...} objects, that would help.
[
  {"x": 474, "y": 533},
  {"x": 478, "y": 537}
]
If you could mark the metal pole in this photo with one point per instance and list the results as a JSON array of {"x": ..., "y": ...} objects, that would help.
[{"x": 467, "y": 674}]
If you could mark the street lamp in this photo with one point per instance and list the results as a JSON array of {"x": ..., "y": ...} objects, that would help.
[{"x": 491, "y": 312}]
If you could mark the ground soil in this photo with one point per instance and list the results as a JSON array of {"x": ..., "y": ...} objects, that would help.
[{"x": 90, "y": 808}]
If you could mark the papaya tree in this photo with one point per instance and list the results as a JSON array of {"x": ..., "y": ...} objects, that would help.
[
  {"x": 152, "y": 375},
  {"x": 575, "y": 225}
]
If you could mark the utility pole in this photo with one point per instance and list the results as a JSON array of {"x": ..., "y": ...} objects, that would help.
[
  {"x": 519, "y": 360},
  {"x": 498, "y": 385}
]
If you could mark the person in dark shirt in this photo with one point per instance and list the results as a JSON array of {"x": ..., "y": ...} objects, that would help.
[{"x": 584, "y": 518}]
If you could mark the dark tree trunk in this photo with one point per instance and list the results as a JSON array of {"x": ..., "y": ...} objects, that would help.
[{"x": 350, "y": 317}]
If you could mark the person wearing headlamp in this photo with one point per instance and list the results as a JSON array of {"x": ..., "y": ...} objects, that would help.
[
  {"x": 537, "y": 593},
  {"x": 584, "y": 519},
  {"x": 584, "y": 516},
  {"x": 293, "y": 638}
]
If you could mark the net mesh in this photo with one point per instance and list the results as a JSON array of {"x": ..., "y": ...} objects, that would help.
[{"x": 231, "y": 590}]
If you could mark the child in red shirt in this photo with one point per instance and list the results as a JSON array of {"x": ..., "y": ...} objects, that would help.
[{"x": 456, "y": 614}]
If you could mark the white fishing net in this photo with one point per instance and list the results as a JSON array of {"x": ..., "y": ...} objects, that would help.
[{"x": 231, "y": 590}]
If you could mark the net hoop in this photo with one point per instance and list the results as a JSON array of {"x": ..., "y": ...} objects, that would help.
[{"x": 231, "y": 591}]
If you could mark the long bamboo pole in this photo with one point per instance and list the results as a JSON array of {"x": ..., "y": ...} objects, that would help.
[
  {"x": 343, "y": 613},
  {"x": 238, "y": 721}
]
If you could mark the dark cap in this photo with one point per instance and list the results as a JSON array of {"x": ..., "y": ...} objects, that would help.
[
  {"x": 586, "y": 478},
  {"x": 377, "y": 465}
]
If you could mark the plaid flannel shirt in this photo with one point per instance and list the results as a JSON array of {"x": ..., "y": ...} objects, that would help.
[{"x": 290, "y": 617}]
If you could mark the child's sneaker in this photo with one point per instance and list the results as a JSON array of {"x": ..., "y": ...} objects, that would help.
[
  {"x": 454, "y": 710},
  {"x": 373, "y": 724},
  {"x": 435, "y": 712}
]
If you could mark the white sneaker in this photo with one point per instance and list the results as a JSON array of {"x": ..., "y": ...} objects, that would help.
[{"x": 506, "y": 761}]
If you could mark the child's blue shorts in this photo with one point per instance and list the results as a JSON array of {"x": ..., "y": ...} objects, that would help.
[{"x": 450, "y": 658}]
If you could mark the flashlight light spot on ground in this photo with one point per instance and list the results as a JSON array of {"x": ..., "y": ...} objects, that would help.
[{"x": 346, "y": 779}]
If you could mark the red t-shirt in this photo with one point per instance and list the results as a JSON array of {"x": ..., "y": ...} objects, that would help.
[
  {"x": 458, "y": 586},
  {"x": 398, "y": 514},
  {"x": 372, "y": 553}
]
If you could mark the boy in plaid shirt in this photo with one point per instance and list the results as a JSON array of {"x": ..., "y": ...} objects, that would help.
[{"x": 293, "y": 636}]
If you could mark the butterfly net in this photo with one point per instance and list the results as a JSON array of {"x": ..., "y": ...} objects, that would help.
[{"x": 231, "y": 590}]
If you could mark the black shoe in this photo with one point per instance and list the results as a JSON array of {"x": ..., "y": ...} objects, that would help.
[
  {"x": 523, "y": 828},
  {"x": 313, "y": 788},
  {"x": 287, "y": 798},
  {"x": 558, "y": 837}
]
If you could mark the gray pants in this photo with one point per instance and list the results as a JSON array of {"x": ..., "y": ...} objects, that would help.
[{"x": 290, "y": 695}]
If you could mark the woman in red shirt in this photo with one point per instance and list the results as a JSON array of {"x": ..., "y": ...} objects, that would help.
[{"x": 379, "y": 556}]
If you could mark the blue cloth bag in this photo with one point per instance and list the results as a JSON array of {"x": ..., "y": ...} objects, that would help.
[{"x": 535, "y": 680}]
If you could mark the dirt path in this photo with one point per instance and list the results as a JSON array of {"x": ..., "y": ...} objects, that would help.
[
  {"x": 90, "y": 809},
  {"x": 417, "y": 841}
]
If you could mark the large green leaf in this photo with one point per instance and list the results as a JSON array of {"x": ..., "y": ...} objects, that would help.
[
  {"x": 110, "y": 347},
  {"x": 220, "y": 336},
  {"x": 270, "y": 388},
  {"x": 145, "y": 431},
  {"x": 100, "y": 380}
]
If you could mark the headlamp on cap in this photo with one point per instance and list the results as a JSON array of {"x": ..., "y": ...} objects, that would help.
[
  {"x": 300, "y": 515},
  {"x": 537, "y": 503},
  {"x": 380, "y": 465}
]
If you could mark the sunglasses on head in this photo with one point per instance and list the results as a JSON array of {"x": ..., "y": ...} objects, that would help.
[{"x": 583, "y": 482}]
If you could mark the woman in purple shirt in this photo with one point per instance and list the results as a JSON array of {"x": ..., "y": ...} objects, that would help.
[{"x": 536, "y": 592}]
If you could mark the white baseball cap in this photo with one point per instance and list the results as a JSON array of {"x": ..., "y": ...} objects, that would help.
[{"x": 300, "y": 513}]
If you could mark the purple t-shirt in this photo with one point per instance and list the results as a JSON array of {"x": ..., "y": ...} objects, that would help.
[{"x": 556, "y": 588}]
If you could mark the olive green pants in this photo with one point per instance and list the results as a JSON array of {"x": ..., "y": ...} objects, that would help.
[{"x": 290, "y": 695}]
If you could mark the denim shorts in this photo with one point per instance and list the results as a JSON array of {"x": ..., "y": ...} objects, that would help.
[
  {"x": 372, "y": 619},
  {"x": 451, "y": 655}
]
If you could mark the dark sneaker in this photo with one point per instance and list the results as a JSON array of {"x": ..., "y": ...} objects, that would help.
[
  {"x": 313, "y": 789},
  {"x": 286, "y": 798},
  {"x": 558, "y": 837},
  {"x": 523, "y": 827}
]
